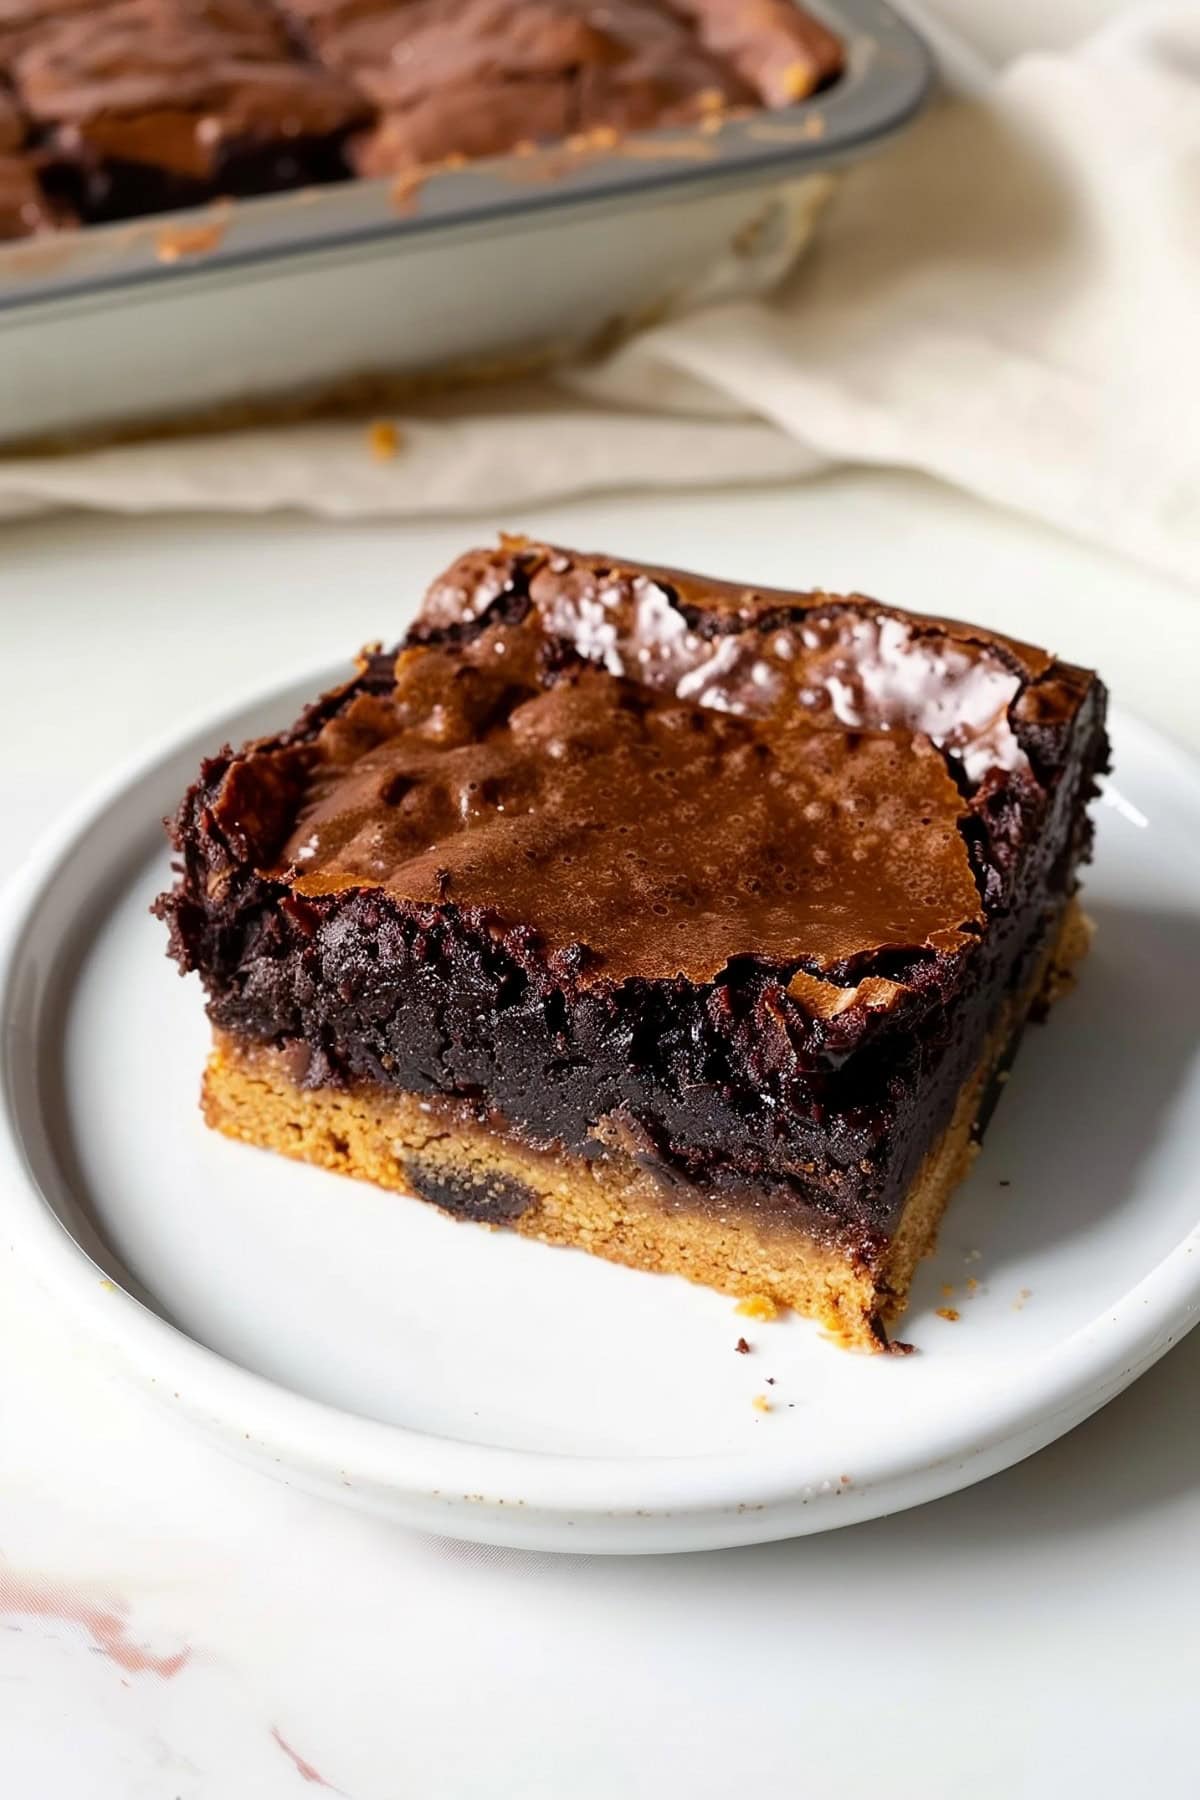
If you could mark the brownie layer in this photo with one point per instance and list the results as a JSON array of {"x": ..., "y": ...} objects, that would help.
[
  {"x": 148, "y": 104},
  {"x": 479, "y": 77},
  {"x": 843, "y": 835},
  {"x": 25, "y": 206}
]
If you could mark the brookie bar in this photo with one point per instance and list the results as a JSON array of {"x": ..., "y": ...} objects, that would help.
[{"x": 684, "y": 922}]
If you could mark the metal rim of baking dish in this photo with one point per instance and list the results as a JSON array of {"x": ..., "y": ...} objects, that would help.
[{"x": 887, "y": 79}]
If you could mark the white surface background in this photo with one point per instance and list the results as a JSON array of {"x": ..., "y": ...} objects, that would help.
[
  {"x": 1036, "y": 1635},
  {"x": 1034, "y": 1632}
]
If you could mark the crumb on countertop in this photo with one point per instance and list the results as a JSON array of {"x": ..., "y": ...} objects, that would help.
[
  {"x": 947, "y": 1290},
  {"x": 383, "y": 437},
  {"x": 948, "y": 1312},
  {"x": 742, "y": 1347},
  {"x": 757, "y": 1306},
  {"x": 760, "y": 1403}
]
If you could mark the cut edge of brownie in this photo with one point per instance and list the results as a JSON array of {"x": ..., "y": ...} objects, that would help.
[{"x": 622, "y": 1207}]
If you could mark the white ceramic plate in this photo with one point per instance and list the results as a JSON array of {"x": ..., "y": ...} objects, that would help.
[{"x": 480, "y": 1385}]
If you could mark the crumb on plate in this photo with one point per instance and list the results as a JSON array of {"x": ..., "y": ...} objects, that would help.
[{"x": 757, "y": 1306}]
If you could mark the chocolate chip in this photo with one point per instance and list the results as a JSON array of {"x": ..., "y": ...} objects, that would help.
[{"x": 492, "y": 1198}]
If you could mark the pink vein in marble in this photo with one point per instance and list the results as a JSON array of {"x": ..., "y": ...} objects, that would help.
[
  {"x": 304, "y": 1769},
  {"x": 106, "y": 1623}
]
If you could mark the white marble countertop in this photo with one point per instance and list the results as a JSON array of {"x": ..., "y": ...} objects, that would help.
[{"x": 180, "y": 1626}]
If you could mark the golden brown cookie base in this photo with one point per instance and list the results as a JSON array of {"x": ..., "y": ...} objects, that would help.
[{"x": 612, "y": 1207}]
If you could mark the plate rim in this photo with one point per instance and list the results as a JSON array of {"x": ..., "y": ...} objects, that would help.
[{"x": 500, "y": 1493}]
